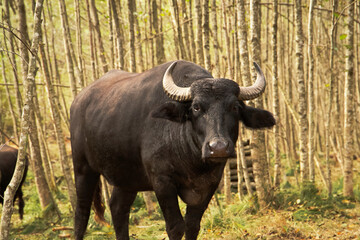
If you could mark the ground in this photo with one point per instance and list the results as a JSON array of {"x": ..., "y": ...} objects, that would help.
[{"x": 235, "y": 221}]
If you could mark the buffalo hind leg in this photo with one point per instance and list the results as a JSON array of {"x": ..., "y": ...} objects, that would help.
[
  {"x": 120, "y": 204},
  {"x": 166, "y": 194},
  {"x": 21, "y": 203},
  {"x": 86, "y": 182}
]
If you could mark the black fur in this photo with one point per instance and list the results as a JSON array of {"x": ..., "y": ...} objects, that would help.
[{"x": 125, "y": 128}]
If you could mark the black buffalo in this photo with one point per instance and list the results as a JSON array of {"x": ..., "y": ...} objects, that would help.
[
  {"x": 168, "y": 130},
  {"x": 8, "y": 158}
]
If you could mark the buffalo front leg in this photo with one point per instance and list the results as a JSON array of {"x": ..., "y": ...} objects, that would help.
[
  {"x": 166, "y": 194},
  {"x": 193, "y": 218},
  {"x": 86, "y": 182},
  {"x": 120, "y": 204}
]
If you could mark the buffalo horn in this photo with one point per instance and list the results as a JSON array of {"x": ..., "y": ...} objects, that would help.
[
  {"x": 171, "y": 89},
  {"x": 254, "y": 91}
]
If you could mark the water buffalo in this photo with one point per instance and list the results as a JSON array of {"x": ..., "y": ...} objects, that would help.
[
  {"x": 169, "y": 129},
  {"x": 8, "y": 158}
]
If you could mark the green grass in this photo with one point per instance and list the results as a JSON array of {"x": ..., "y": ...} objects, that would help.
[{"x": 294, "y": 213}]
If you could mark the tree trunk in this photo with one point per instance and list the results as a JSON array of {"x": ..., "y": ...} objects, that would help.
[
  {"x": 178, "y": 31},
  {"x": 260, "y": 165},
  {"x": 52, "y": 98},
  {"x": 215, "y": 38},
  {"x": 132, "y": 35},
  {"x": 227, "y": 182},
  {"x": 8, "y": 96},
  {"x": 96, "y": 24},
  {"x": 185, "y": 29},
  {"x": 138, "y": 36},
  {"x": 349, "y": 112},
  {"x": 160, "y": 51},
  {"x": 302, "y": 93},
  {"x": 243, "y": 45},
  {"x": 11, "y": 55},
  {"x": 311, "y": 102},
  {"x": 25, "y": 129},
  {"x": 119, "y": 45},
  {"x": 227, "y": 39},
  {"x": 79, "y": 44},
  {"x": 275, "y": 80},
  {"x": 206, "y": 36},
  {"x": 198, "y": 39},
  {"x": 24, "y": 37},
  {"x": 67, "y": 46}
]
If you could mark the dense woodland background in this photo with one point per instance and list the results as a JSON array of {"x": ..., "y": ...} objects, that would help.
[{"x": 308, "y": 50}]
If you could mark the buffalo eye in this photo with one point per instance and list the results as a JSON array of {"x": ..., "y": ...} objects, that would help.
[
  {"x": 196, "y": 108},
  {"x": 235, "y": 107}
]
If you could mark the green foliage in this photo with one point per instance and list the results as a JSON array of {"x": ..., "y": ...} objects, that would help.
[
  {"x": 308, "y": 203},
  {"x": 343, "y": 36}
]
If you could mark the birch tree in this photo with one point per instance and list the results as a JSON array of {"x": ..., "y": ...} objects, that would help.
[
  {"x": 206, "y": 35},
  {"x": 132, "y": 35},
  {"x": 198, "y": 38},
  {"x": 260, "y": 166},
  {"x": 277, "y": 168},
  {"x": 311, "y": 101},
  {"x": 330, "y": 94},
  {"x": 349, "y": 104},
  {"x": 25, "y": 128},
  {"x": 68, "y": 46},
  {"x": 96, "y": 24},
  {"x": 299, "y": 63}
]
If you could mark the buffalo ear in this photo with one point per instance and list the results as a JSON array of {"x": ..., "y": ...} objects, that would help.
[
  {"x": 173, "y": 111},
  {"x": 256, "y": 118}
]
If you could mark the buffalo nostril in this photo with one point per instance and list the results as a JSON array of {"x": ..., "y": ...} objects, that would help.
[{"x": 218, "y": 145}]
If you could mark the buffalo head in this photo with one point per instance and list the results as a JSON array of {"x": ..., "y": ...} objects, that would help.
[{"x": 214, "y": 107}]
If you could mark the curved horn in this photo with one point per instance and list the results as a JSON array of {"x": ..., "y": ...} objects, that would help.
[
  {"x": 254, "y": 91},
  {"x": 174, "y": 92}
]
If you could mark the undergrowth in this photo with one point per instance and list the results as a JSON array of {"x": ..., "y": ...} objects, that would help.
[{"x": 290, "y": 208}]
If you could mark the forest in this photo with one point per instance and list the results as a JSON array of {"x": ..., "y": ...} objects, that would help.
[{"x": 297, "y": 180}]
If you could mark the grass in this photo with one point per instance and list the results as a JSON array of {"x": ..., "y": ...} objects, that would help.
[{"x": 294, "y": 213}]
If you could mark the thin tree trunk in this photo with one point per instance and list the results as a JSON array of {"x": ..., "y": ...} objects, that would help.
[
  {"x": 260, "y": 165},
  {"x": 96, "y": 24},
  {"x": 52, "y": 98},
  {"x": 192, "y": 35},
  {"x": 243, "y": 45},
  {"x": 160, "y": 51},
  {"x": 349, "y": 104},
  {"x": 138, "y": 36},
  {"x": 206, "y": 35},
  {"x": 227, "y": 39},
  {"x": 311, "y": 102},
  {"x": 8, "y": 96},
  {"x": 92, "y": 44},
  {"x": 275, "y": 80},
  {"x": 79, "y": 44},
  {"x": 25, "y": 130},
  {"x": 185, "y": 29},
  {"x": 243, "y": 164},
  {"x": 119, "y": 45},
  {"x": 174, "y": 24},
  {"x": 111, "y": 35},
  {"x": 132, "y": 35},
  {"x": 67, "y": 46},
  {"x": 11, "y": 55},
  {"x": 198, "y": 39},
  {"x": 215, "y": 38},
  {"x": 178, "y": 31},
  {"x": 227, "y": 182},
  {"x": 302, "y": 93},
  {"x": 24, "y": 37},
  {"x": 148, "y": 202}
]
